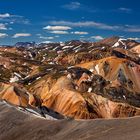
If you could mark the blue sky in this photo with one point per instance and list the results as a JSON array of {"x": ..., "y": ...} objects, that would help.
[{"x": 61, "y": 20}]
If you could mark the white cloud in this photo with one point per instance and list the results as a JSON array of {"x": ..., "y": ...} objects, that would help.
[
  {"x": 123, "y": 9},
  {"x": 57, "y": 36},
  {"x": 85, "y": 24},
  {"x": 134, "y": 38},
  {"x": 46, "y": 42},
  {"x": 82, "y": 36},
  {"x": 98, "y": 25},
  {"x": 79, "y": 33},
  {"x": 57, "y": 28},
  {"x": 6, "y": 15},
  {"x": 2, "y": 26},
  {"x": 132, "y": 28},
  {"x": 3, "y": 35},
  {"x": 49, "y": 38},
  {"x": 97, "y": 37},
  {"x": 59, "y": 32},
  {"x": 11, "y": 19},
  {"x": 135, "y": 30},
  {"x": 38, "y": 35},
  {"x": 11, "y": 22},
  {"x": 21, "y": 35},
  {"x": 79, "y": 6},
  {"x": 72, "y": 6}
]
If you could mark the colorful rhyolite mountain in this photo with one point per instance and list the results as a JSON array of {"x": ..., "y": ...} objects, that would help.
[{"x": 75, "y": 79}]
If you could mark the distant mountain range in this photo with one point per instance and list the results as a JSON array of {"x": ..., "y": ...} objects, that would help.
[{"x": 108, "y": 41}]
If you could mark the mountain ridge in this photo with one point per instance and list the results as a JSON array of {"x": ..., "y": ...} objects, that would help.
[{"x": 76, "y": 79}]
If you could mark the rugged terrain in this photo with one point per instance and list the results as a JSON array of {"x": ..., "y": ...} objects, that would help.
[{"x": 72, "y": 80}]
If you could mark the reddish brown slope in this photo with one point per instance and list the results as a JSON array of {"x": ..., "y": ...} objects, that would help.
[{"x": 110, "y": 67}]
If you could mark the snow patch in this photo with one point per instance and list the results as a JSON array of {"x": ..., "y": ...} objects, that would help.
[
  {"x": 17, "y": 74},
  {"x": 91, "y": 70},
  {"x": 97, "y": 68},
  {"x": 14, "y": 79},
  {"x": 38, "y": 78},
  {"x": 118, "y": 43},
  {"x": 77, "y": 47},
  {"x": 124, "y": 97},
  {"x": 70, "y": 67},
  {"x": 30, "y": 55},
  {"x": 62, "y": 44},
  {"x": 12, "y": 60},
  {"x": 43, "y": 59},
  {"x": 67, "y": 47},
  {"x": 4, "y": 66},
  {"x": 69, "y": 76},
  {"x": 89, "y": 89},
  {"x": 51, "y": 63}
]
